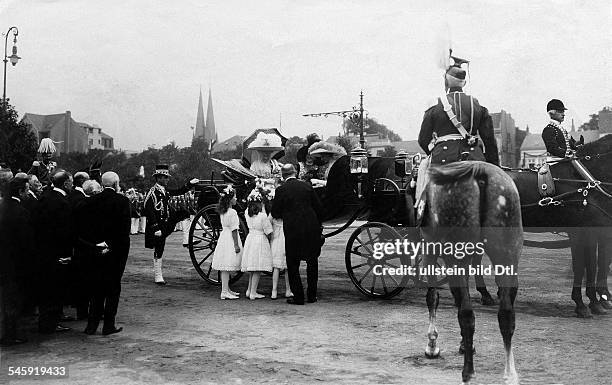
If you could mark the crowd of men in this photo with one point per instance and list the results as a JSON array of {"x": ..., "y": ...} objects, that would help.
[{"x": 63, "y": 244}]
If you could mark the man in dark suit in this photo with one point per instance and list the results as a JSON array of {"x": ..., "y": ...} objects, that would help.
[
  {"x": 109, "y": 239},
  {"x": 15, "y": 258},
  {"x": 296, "y": 203},
  {"x": 55, "y": 240},
  {"x": 76, "y": 286}
]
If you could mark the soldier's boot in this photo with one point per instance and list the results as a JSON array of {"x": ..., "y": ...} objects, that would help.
[{"x": 157, "y": 269}]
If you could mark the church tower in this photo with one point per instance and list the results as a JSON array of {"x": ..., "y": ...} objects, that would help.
[
  {"x": 210, "y": 131},
  {"x": 200, "y": 126}
]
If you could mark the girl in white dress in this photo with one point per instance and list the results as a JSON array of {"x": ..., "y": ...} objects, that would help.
[
  {"x": 279, "y": 260},
  {"x": 257, "y": 255},
  {"x": 227, "y": 255}
]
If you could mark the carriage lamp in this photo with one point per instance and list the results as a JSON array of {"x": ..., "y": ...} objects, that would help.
[
  {"x": 402, "y": 165},
  {"x": 359, "y": 166},
  {"x": 359, "y": 161},
  {"x": 416, "y": 161}
]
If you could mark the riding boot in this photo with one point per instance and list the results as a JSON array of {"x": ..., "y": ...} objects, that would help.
[{"x": 157, "y": 269}]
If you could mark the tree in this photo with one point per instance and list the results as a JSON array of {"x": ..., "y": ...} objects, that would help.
[
  {"x": 592, "y": 124},
  {"x": 18, "y": 141},
  {"x": 346, "y": 142},
  {"x": 371, "y": 126}
]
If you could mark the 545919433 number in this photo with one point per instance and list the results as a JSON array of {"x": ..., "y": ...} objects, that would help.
[{"x": 54, "y": 371}]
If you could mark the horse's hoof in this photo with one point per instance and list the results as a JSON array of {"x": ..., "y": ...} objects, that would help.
[
  {"x": 462, "y": 348},
  {"x": 487, "y": 300},
  {"x": 606, "y": 304},
  {"x": 597, "y": 308},
  {"x": 432, "y": 353},
  {"x": 583, "y": 312}
]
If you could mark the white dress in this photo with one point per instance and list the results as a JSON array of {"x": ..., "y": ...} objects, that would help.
[
  {"x": 225, "y": 257},
  {"x": 279, "y": 259},
  {"x": 257, "y": 254}
]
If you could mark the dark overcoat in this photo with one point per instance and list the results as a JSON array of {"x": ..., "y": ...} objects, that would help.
[{"x": 296, "y": 203}]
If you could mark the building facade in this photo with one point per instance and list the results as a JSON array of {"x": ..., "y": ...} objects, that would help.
[{"x": 70, "y": 135}]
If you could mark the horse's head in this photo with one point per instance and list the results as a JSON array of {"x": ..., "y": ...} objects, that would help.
[{"x": 596, "y": 157}]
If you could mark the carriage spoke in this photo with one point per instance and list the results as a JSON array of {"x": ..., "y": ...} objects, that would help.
[
  {"x": 364, "y": 245},
  {"x": 394, "y": 280},
  {"x": 205, "y": 258},
  {"x": 382, "y": 278},
  {"x": 358, "y": 266},
  {"x": 373, "y": 282},
  {"x": 388, "y": 264},
  {"x": 365, "y": 274}
]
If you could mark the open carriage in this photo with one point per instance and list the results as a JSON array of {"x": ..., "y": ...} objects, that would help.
[{"x": 382, "y": 196}]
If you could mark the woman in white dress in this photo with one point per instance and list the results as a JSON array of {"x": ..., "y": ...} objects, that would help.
[
  {"x": 257, "y": 254},
  {"x": 227, "y": 256},
  {"x": 263, "y": 149}
]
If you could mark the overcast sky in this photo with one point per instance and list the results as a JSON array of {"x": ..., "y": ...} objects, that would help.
[{"x": 135, "y": 67}]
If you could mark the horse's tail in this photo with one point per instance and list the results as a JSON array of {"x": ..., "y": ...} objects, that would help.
[{"x": 457, "y": 171}]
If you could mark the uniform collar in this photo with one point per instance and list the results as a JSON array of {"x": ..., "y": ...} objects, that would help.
[
  {"x": 454, "y": 89},
  {"x": 59, "y": 190},
  {"x": 17, "y": 199},
  {"x": 555, "y": 123},
  {"x": 160, "y": 188}
]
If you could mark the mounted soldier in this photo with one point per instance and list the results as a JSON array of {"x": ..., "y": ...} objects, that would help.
[
  {"x": 44, "y": 168},
  {"x": 558, "y": 141},
  {"x": 456, "y": 127}
]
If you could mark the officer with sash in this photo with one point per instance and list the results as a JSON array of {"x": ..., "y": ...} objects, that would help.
[
  {"x": 457, "y": 126},
  {"x": 161, "y": 219}
]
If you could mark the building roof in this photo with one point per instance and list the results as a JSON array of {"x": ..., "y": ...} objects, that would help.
[
  {"x": 410, "y": 146},
  {"x": 44, "y": 122},
  {"x": 229, "y": 144},
  {"x": 105, "y": 136},
  {"x": 533, "y": 142}
]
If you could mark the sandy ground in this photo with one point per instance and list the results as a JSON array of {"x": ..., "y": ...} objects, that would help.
[{"x": 183, "y": 333}]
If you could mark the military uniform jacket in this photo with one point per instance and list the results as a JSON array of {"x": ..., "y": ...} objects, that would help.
[
  {"x": 474, "y": 118},
  {"x": 158, "y": 213},
  {"x": 557, "y": 140}
]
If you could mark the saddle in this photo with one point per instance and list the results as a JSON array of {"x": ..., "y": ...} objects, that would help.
[{"x": 546, "y": 184}]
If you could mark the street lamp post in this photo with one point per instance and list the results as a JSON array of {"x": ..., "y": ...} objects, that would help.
[{"x": 13, "y": 58}]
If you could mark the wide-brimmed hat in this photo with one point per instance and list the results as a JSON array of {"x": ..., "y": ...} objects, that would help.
[
  {"x": 266, "y": 142},
  {"x": 326, "y": 148},
  {"x": 162, "y": 169}
]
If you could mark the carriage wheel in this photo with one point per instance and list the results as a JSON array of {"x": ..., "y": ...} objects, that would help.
[
  {"x": 203, "y": 236},
  {"x": 364, "y": 270}
]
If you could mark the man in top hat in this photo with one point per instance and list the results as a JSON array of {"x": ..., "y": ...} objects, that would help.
[
  {"x": 161, "y": 221},
  {"x": 457, "y": 124},
  {"x": 296, "y": 203},
  {"x": 558, "y": 141}
]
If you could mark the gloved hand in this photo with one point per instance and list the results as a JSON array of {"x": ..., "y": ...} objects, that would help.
[
  {"x": 158, "y": 233},
  {"x": 35, "y": 163},
  {"x": 194, "y": 181}
]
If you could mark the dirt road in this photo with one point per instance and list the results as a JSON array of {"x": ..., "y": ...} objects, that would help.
[{"x": 182, "y": 333}]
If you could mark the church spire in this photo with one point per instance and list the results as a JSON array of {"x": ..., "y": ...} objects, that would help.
[
  {"x": 211, "y": 132},
  {"x": 200, "y": 127}
]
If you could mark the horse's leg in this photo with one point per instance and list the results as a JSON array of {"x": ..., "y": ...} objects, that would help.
[
  {"x": 485, "y": 297},
  {"x": 508, "y": 286},
  {"x": 465, "y": 316},
  {"x": 433, "y": 298},
  {"x": 591, "y": 261},
  {"x": 577, "y": 244},
  {"x": 603, "y": 267}
]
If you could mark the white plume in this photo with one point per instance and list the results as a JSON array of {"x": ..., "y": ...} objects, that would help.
[{"x": 442, "y": 44}]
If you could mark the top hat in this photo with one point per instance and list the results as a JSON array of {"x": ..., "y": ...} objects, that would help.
[
  {"x": 266, "y": 142},
  {"x": 555, "y": 104},
  {"x": 162, "y": 169}
]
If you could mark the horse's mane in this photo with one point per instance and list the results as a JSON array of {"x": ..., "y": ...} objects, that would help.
[
  {"x": 600, "y": 146},
  {"x": 456, "y": 171}
]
